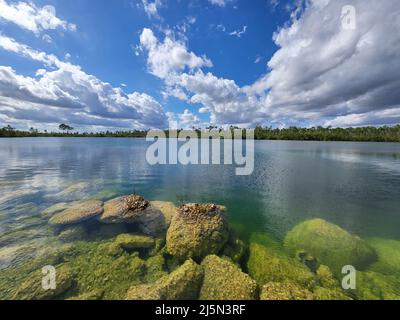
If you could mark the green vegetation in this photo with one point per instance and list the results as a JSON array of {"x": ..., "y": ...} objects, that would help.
[{"x": 365, "y": 134}]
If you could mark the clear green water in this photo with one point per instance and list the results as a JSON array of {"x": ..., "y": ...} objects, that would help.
[{"x": 354, "y": 185}]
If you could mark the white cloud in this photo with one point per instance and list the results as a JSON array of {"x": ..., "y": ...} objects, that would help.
[
  {"x": 69, "y": 94},
  {"x": 220, "y": 3},
  {"x": 239, "y": 33},
  {"x": 151, "y": 8},
  {"x": 185, "y": 120},
  {"x": 323, "y": 70},
  {"x": 169, "y": 57},
  {"x": 33, "y": 18}
]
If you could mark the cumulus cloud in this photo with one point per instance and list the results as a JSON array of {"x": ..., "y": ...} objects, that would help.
[
  {"x": 184, "y": 78},
  {"x": 69, "y": 94},
  {"x": 170, "y": 56},
  {"x": 324, "y": 70},
  {"x": 185, "y": 120},
  {"x": 30, "y": 17},
  {"x": 322, "y": 73},
  {"x": 151, "y": 8}
]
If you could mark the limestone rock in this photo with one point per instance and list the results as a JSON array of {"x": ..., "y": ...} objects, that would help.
[
  {"x": 197, "y": 231},
  {"x": 330, "y": 244},
  {"x": 79, "y": 212},
  {"x": 133, "y": 241},
  {"x": 182, "y": 284},
  {"x": 223, "y": 280},
  {"x": 32, "y": 288},
  {"x": 284, "y": 291},
  {"x": 267, "y": 265},
  {"x": 134, "y": 209}
]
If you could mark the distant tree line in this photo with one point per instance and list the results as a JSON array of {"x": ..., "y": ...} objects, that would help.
[{"x": 378, "y": 134}]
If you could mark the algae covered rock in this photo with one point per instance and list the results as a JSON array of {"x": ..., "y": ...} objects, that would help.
[
  {"x": 235, "y": 249},
  {"x": 32, "y": 288},
  {"x": 134, "y": 209},
  {"x": 321, "y": 293},
  {"x": 223, "y": 280},
  {"x": 87, "y": 296},
  {"x": 74, "y": 233},
  {"x": 376, "y": 286},
  {"x": 326, "y": 278},
  {"x": 74, "y": 192},
  {"x": 284, "y": 291},
  {"x": 182, "y": 284},
  {"x": 81, "y": 211},
  {"x": 168, "y": 209},
  {"x": 330, "y": 244},
  {"x": 134, "y": 241},
  {"x": 197, "y": 231},
  {"x": 388, "y": 252},
  {"x": 56, "y": 208},
  {"x": 269, "y": 265}
]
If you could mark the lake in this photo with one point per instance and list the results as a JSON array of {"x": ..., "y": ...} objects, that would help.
[{"x": 354, "y": 185}]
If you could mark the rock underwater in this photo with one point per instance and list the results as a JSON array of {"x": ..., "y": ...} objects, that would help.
[
  {"x": 134, "y": 209},
  {"x": 330, "y": 244},
  {"x": 77, "y": 213},
  {"x": 223, "y": 280},
  {"x": 182, "y": 284},
  {"x": 196, "y": 231}
]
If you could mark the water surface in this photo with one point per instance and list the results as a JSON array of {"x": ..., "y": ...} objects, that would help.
[{"x": 355, "y": 185}]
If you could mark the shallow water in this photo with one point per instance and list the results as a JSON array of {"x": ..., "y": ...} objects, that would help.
[{"x": 354, "y": 185}]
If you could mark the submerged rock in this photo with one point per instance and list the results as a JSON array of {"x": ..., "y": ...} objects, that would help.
[
  {"x": 74, "y": 192},
  {"x": 197, "y": 231},
  {"x": 105, "y": 195},
  {"x": 134, "y": 209},
  {"x": 235, "y": 249},
  {"x": 87, "y": 296},
  {"x": 376, "y": 286},
  {"x": 15, "y": 195},
  {"x": 56, "y": 208},
  {"x": 268, "y": 265},
  {"x": 182, "y": 284},
  {"x": 79, "y": 212},
  {"x": 223, "y": 280},
  {"x": 326, "y": 278},
  {"x": 330, "y": 244},
  {"x": 321, "y": 293},
  {"x": 388, "y": 252},
  {"x": 133, "y": 241},
  {"x": 74, "y": 233},
  {"x": 284, "y": 291},
  {"x": 32, "y": 288},
  {"x": 168, "y": 209}
]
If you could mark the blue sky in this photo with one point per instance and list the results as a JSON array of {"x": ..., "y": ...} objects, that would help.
[{"x": 126, "y": 64}]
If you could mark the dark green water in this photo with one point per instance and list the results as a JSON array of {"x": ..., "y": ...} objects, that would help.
[{"x": 355, "y": 185}]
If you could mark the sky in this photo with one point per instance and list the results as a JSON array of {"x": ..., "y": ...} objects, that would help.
[{"x": 139, "y": 64}]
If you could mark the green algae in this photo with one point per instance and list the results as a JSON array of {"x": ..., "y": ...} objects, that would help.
[
  {"x": 223, "y": 280},
  {"x": 284, "y": 291},
  {"x": 196, "y": 231},
  {"x": 375, "y": 286},
  {"x": 330, "y": 244},
  {"x": 134, "y": 241},
  {"x": 388, "y": 252},
  {"x": 32, "y": 289},
  {"x": 268, "y": 262},
  {"x": 182, "y": 284},
  {"x": 235, "y": 249}
]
